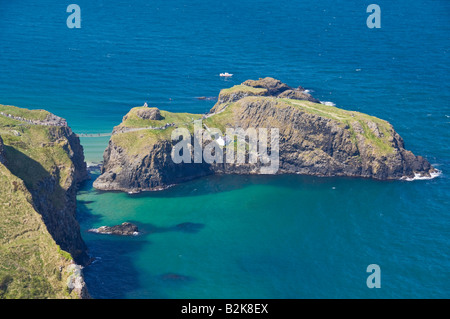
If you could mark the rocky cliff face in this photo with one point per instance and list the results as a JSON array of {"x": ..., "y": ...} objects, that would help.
[
  {"x": 2, "y": 152},
  {"x": 32, "y": 264},
  {"x": 60, "y": 213},
  {"x": 314, "y": 139},
  {"x": 43, "y": 152}
]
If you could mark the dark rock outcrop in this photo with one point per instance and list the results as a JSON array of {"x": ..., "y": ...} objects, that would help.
[
  {"x": 279, "y": 89},
  {"x": 125, "y": 229},
  {"x": 151, "y": 113},
  {"x": 2, "y": 152},
  {"x": 274, "y": 87}
]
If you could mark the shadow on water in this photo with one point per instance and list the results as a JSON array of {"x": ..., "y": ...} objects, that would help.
[
  {"x": 85, "y": 215},
  {"x": 113, "y": 273},
  {"x": 188, "y": 227},
  {"x": 215, "y": 184}
]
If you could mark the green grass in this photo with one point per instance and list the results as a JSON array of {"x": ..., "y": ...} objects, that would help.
[
  {"x": 141, "y": 141},
  {"x": 24, "y": 113},
  {"x": 221, "y": 120},
  {"x": 31, "y": 264},
  {"x": 134, "y": 121},
  {"x": 244, "y": 88}
]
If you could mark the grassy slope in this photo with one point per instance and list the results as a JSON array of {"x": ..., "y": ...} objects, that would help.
[
  {"x": 29, "y": 258},
  {"x": 31, "y": 264},
  {"x": 137, "y": 142}
]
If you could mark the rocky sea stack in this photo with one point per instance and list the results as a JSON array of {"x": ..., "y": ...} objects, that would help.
[{"x": 314, "y": 139}]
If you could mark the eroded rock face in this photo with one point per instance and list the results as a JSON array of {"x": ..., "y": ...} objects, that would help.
[
  {"x": 314, "y": 139},
  {"x": 144, "y": 172},
  {"x": 298, "y": 95},
  {"x": 274, "y": 87}
]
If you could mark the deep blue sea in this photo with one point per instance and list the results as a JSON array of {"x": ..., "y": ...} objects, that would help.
[{"x": 259, "y": 236}]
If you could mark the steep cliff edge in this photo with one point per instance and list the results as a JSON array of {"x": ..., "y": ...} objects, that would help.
[
  {"x": 42, "y": 165},
  {"x": 314, "y": 139}
]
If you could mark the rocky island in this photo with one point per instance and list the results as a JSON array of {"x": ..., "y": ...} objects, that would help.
[
  {"x": 314, "y": 139},
  {"x": 41, "y": 165}
]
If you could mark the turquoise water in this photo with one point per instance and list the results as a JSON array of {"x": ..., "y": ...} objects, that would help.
[
  {"x": 238, "y": 236},
  {"x": 271, "y": 237}
]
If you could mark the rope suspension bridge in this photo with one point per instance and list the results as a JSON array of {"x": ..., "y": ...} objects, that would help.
[{"x": 94, "y": 135}]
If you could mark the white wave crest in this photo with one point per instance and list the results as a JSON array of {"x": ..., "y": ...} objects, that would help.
[{"x": 418, "y": 177}]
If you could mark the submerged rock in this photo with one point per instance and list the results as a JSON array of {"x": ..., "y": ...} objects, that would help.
[
  {"x": 125, "y": 229},
  {"x": 173, "y": 277}
]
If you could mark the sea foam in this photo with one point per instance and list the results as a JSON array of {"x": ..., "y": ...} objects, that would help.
[{"x": 418, "y": 177}]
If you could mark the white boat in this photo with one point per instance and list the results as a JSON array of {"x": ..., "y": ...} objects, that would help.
[{"x": 226, "y": 74}]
